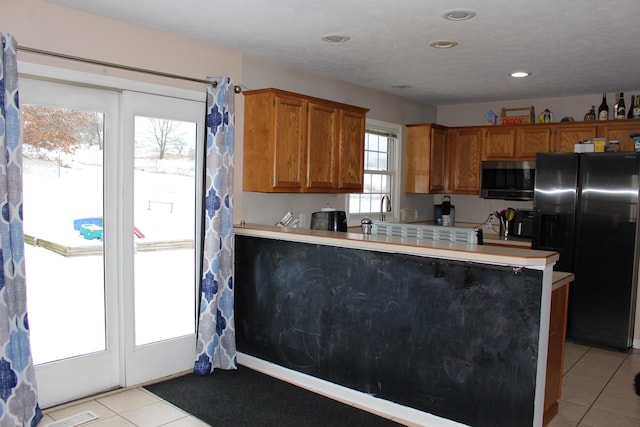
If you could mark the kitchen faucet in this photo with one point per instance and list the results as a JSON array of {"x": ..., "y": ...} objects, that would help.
[{"x": 382, "y": 217}]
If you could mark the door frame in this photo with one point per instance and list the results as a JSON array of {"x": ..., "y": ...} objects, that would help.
[{"x": 49, "y": 375}]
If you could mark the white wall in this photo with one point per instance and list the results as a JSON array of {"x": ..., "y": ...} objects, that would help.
[{"x": 51, "y": 27}]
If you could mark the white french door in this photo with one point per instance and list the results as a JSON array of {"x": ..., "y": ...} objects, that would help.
[
  {"x": 161, "y": 159},
  {"x": 111, "y": 191}
]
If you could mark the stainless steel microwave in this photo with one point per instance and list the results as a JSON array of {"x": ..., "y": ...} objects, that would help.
[{"x": 508, "y": 180}]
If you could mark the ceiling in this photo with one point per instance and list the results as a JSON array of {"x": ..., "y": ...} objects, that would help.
[{"x": 570, "y": 47}]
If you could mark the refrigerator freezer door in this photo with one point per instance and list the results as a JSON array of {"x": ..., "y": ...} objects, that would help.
[
  {"x": 602, "y": 302},
  {"x": 555, "y": 205}
]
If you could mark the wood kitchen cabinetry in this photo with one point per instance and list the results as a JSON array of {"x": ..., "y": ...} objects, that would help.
[
  {"x": 465, "y": 147},
  {"x": 426, "y": 159},
  {"x": 447, "y": 160},
  {"x": 532, "y": 140},
  {"x": 515, "y": 142},
  {"x": 555, "y": 352},
  {"x": 442, "y": 160},
  {"x": 567, "y": 135},
  {"x": 351, "y": 150},
  {"x": 295, "y": 143},
  {"x": 499, "y": 142},
  {"x": 621, "y": 131}
]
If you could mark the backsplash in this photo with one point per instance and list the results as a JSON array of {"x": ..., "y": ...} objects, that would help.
[{"x": 473, "y": 209}]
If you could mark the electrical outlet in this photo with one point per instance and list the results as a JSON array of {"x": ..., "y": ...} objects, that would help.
[
  {"x": 489, "y": 222},
  {"x": 403, "y": 214},
  {"x": 303, "y": 220},
  {"x": 415, "y": 214}
]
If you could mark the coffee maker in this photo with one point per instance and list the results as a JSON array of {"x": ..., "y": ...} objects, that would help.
[{"x": 445, "y": 213}]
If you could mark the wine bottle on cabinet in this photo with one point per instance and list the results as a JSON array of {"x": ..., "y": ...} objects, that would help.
[
  {"x": 620, "y": 109},
  {"x": 591, "y": 114},
  {"x": 603, "y": 109},
  {"x": 631, "y": 105},
  {"x": 636, "y": 108}
]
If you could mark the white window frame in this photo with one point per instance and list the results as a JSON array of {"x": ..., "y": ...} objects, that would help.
[{"x": 394, "y": 162}]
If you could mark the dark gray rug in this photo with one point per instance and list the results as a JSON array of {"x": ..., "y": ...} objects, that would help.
[{"x": 249, "y": 398}]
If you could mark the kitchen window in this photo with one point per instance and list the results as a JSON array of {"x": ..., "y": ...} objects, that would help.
[{"x": 380, "y": 168}]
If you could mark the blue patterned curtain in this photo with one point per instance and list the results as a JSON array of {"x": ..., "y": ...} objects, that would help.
[
  {"x": 216, "y": 346},
  {"x": 18, "y": 395}
]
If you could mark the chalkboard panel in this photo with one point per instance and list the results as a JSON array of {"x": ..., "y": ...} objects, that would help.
[{"x": 458, "y": 340}]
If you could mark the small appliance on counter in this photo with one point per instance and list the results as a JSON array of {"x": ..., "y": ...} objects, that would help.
[
  {"x": 523, "y": 223},
  {"x": 445, "y": 213},
  {"x": 329, "y": 219}
]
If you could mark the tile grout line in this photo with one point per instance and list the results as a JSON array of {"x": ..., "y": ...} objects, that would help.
[{"x": 603, "y": 387}]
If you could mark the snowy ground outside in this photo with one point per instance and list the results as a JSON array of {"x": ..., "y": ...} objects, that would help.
[{"x": 65, "y": 294}]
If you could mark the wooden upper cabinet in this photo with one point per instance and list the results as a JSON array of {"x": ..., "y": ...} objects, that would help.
[
  {"x": 322, "y": 148},
  {"x": 296, "y": 143},
  {"x": 515, "y": 142},
  {"x": 621, "y": 131},
  {"x": 499, "y": 142},
  {"x": 438, "y": 177},
  {"x": 465, "y": 148},
  {"x": 532, "y": 140},
  {"x": 567, "y": 135},
  {"x": 425, "y": 159},
  {"x": 351, "y": 151},
  {"x": 274, "y": 142}
]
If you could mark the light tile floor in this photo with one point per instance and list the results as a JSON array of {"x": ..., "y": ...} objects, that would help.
[
  {"x": 597, "y": 391},
  {"x": 597, "y": 388},
  {"x": 126, "y": 408}
]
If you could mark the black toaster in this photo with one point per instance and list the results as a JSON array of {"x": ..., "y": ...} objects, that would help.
[{"x": 329, "y": 220}]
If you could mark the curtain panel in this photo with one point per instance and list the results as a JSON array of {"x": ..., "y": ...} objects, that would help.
[
  {"x": 18, "y": 391},
  {"x": 216, "y": 345}
]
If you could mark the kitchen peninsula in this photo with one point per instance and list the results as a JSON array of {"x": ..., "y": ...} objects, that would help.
[{"x": 456, "y": 333}]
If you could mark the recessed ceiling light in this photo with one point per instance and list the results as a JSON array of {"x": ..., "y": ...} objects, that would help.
[
  {"x": 401, "y": 86},
  {"x": 520, "y": 74},
  {"x": 443, "y": 44},
  {"x": 335, "y": 38},
  {"x": 458, "y": 15}
]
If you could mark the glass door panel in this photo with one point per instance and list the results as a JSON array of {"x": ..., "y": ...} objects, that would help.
[
  {"x": 165, "y": 137},
  {"x": 62, "y": 159},
  {"x": 63, "y": 189},
  {"x": 164, "y": 229}
]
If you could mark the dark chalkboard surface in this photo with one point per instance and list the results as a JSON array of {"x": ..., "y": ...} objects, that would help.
[{"x": 458, "y": 340}]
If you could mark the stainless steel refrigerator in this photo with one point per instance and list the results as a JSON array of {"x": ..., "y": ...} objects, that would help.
[{"x": 586, "y": 208}]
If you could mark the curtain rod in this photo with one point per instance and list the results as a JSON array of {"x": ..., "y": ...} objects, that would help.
[{"x": 237, "y": 89}]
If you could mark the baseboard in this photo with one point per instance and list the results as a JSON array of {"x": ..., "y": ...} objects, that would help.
[{"x": 384, "y": 408}]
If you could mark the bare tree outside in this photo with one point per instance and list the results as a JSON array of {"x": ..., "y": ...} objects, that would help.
[
  {"x": 93, "y": 134},
  {"x": 165, "y": 135}
]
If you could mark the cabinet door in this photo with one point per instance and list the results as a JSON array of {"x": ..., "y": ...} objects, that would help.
[
  {"x": 498, "y": 143},
  {"x": 465, "y": 146},
  {"x": 532, "y": 140},
  {"x": 351, "y": 152},
  {"x": 290, "y": 137},
  {"x": 438, "y": 160},
  {"x": 622, "y": 132},
  {"x": 425, "y": 159},
  {"x": 417, "y": 159},
  {"x": 322, "y": 147},
  {"x": 566, "y": 136}
]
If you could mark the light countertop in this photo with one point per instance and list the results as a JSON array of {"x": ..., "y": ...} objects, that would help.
[{"x": 439, "y": 249}]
